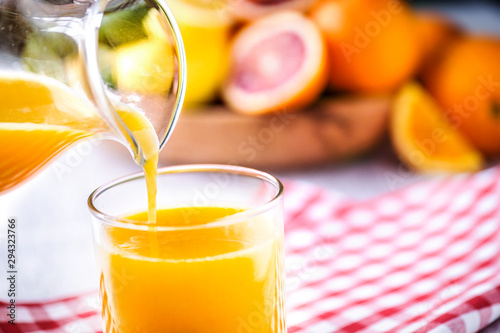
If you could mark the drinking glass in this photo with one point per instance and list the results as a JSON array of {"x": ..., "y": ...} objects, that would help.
[{"x": 192, "y": 271}]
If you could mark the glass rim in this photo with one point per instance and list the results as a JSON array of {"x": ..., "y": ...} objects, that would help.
[{"x": 244, "y": 215}]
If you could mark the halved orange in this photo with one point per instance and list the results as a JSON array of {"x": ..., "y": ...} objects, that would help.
[
  {"x": 424, "y": 139},
  {"x": 278, "y": 62}
]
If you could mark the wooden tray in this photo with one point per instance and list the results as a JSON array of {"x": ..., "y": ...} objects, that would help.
[{"x": 332, "y": 130}]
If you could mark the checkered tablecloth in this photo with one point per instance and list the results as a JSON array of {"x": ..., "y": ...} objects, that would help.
[{"x": 422, "y": 259}]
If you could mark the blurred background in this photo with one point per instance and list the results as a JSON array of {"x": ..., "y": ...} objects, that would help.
[
  {"x": 348, "y": 76},
  {"x": 360, "y": 97}
]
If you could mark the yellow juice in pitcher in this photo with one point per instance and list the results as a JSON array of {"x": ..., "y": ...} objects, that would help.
[
  {"x": 206, "y": 276},
  {"x": 40, "y": 117}
]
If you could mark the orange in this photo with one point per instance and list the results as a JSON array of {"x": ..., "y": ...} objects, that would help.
[
  {"x": 278, "y": 62},
  {"x": 424, "y": 139},
  {"x": 373, "y": 44},
  {"x": 436, "y": 31},
  {"x": 465, "y": 80}
]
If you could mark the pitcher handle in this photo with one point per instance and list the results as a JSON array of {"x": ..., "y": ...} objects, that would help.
[{"x": 97, "y": 87}]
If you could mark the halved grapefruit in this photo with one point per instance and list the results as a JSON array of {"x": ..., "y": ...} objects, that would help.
[
  {"x": 278, "y": 62},
  {"x": 248, "y": 10}
]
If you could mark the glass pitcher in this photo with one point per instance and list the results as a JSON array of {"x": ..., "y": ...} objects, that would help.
[{"x": 75, "y": 69}]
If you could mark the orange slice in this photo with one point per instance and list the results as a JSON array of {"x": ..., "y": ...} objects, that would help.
[
  {"x": 278, "y": 62},
  {"x": 424, "y": 139}
]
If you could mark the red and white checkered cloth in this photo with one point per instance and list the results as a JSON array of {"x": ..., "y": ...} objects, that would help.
[{"x": 422, "y": 259}]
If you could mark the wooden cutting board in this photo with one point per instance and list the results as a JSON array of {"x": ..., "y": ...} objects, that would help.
[{"x": 332, "y": 130}]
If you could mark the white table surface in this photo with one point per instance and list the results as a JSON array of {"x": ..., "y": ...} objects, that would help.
[{"x": 54, "y": 246}]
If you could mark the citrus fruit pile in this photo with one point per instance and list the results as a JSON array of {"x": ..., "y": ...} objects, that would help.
[{"x": 262, "y": 56}]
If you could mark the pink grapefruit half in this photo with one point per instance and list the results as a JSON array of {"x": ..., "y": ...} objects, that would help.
[{"x": 276, "y": 63}]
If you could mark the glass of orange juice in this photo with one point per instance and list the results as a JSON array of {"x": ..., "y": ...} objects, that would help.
[{"x": 212, "y": 262}]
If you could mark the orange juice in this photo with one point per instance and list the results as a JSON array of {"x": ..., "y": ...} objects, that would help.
[
  {"x": 40, "y": 117},
  {"x": 206, "y": 276},
  {"x": 28, "y": 148}
]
